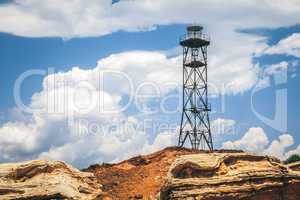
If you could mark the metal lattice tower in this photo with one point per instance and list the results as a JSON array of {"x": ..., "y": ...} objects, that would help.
[{"x": 195, "y": 124}]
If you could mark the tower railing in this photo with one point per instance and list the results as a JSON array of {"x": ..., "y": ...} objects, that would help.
[{"x": 194, "y": 35}]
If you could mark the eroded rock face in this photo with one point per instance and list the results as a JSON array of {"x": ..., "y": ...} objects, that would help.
[
  {"x": 39, "y": 179},
  {"x": 223, "y": 176},
  {"x": 294, "y": 166}
]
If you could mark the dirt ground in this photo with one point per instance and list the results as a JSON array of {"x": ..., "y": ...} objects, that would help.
[{"x": 140, "y": 177}]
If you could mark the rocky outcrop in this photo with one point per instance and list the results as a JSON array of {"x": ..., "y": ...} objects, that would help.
[
  {"x": 41, "y": 179},
  {"x": 223, "y": 176},
  {"x": 174, "y": 173},
  {"x": 294, "y": 166}
]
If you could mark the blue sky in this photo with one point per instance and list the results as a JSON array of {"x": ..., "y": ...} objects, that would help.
[{"x": 242, "y": 54}]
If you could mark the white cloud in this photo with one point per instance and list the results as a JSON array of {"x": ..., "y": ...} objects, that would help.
[
  {"x": 230, "y": 56},
  {"x": 64, "y": 112},
  {"x": 109, "y": 147},
  {"x": 48, "y": 134},
  {"x": 68, "y": 121},
  {"x": 221, "y": 126},
  {"x": 71, "y": 102},
  {"x": 81, "y": 18},
  {"x": 293, "y": 152},
  {"x": 147, "y": 70},
  {"x": 288, "y": 46},
  {"x": 278, "y": 147},
  {"x": 232, "y": 71},
  {"x": 162, "y": 140},
  {"x": 282, "y": 68},
  {"x": 254, "y": 140},
  {"x": 270, "y": 70},
  {"x": 228, "y": 74},
  {"x": 74, "y": 100},
  {"x": 276, "y": 68}
]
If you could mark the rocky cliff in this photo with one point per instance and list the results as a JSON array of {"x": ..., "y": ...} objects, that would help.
[
  {"x": 222, "y": 176},
  {"x": 173, "y": 173},
  {"x": 39, "y": 179}
]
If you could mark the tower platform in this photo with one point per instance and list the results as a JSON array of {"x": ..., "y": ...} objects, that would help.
[
  {"x": 194, "y": 42},
  {"x": 194, "y": 64}
]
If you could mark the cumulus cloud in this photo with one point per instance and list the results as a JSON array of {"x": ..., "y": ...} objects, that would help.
[
  {"x": 230, "y": 61},
  {"x": 280, "y": 68},
  {"x": 97, "y": 148},
  {"x": 278, "y": 147},
  {"x": 276, "y": 68},
  {"x": 221, "y": 126},
  {"x": 36, "y": 18},
  {"x": 79, "y": 111},
  {"x": 61, "y": 113},
  {"x": 77, "y": 119},
  {"x": 287, "y": 46},
  {"x": 231, "y": 50},
  {"x": 293, "y": 152},
  {"x": 162, "y": 140},
  {"x": 149, "y": 70},
  {"x": 254, "y": 140},
  {"x": 73, "y": 107}
]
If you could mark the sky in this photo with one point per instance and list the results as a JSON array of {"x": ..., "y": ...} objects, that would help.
[{"x": 100, "y": 81}]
